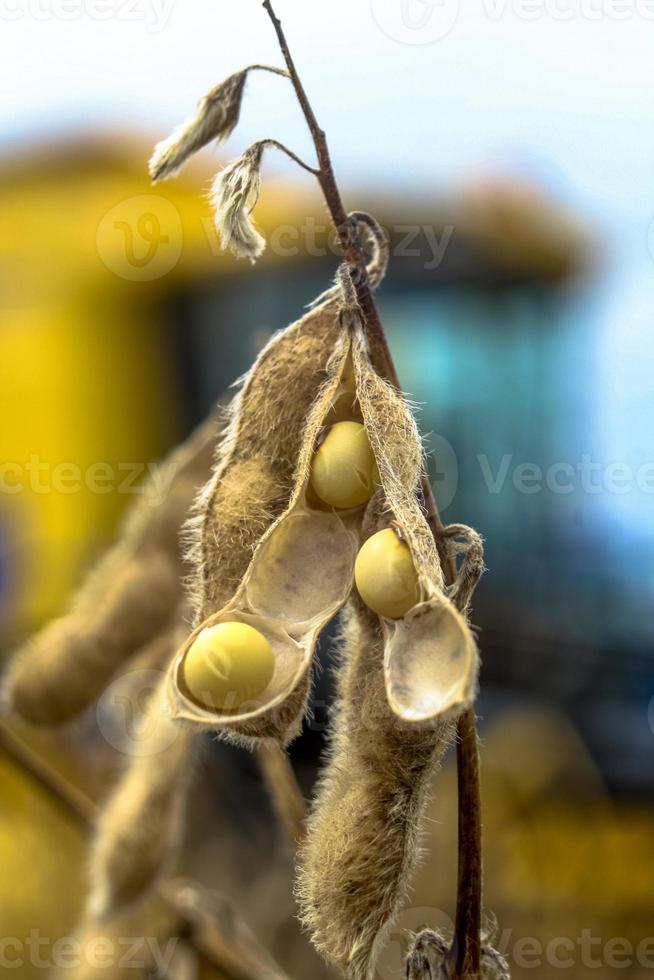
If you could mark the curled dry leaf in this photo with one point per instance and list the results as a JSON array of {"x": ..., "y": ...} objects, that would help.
[
  {"x": 234, "y": 194},
  {"x": 127, "y": 599},
  {"x": 430, "y": 958},
  {"x": 427, "y": 958},
  {"x": 362, "y": 839},
  {"x": 215, "y": 118}
]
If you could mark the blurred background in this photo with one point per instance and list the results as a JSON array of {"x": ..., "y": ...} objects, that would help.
[{"x": 508, "y": 150}]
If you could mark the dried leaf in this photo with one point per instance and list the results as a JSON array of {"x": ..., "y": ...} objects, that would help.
[
  {"x": 234, "y": 195},
  {"x": 215, "y": 118}
]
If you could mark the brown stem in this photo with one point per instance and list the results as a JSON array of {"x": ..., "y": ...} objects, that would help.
[
  {"x": 289, "y": 153},
  {"x": 216, "y": 930},
  {"x": 271, "y": 68},
  {"x": 283, "y": 788},
  {"x": 467, "y": 927},
  {"x": 468, "y": 917},
  {"x": 69, "y": 796}
]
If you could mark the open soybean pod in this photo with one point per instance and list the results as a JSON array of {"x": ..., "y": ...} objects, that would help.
[
  {"x": 300, "y": 554},
  {"x": 430, "y": 657},
  {"x": 124, "y": 603},
  {"x": 407, "y": 671},
  {"x": 363, "y": 833}
]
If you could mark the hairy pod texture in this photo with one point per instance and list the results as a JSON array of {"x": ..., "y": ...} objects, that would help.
[
  {"x": 430, "y": 658},
  {"x": 124, "y": 602},
  {"x": 269, "y": 556},
  {"x": 363, "y": 833},
  {"x": 402, "y": 684},
  {"x": 430, "y": 958},
  {"x": 255, "y": 531},
  {"x": 140, "y": 828}
]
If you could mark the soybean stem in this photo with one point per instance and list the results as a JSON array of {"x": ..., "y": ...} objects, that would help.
[
  {"x": 468, "y": 915},
  {"x": 283, "y": 788}
]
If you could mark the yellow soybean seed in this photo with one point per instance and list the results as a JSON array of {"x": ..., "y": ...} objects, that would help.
[
  {"x": 343, "y": 472},
  {"x": 386, "y": 576},
  {"x": 228, "y": 665}
]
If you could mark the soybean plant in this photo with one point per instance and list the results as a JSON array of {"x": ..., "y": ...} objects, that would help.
[{"x": 313, "y": 499}]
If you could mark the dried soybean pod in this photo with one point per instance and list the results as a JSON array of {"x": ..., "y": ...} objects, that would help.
[
  {"x": 255, "y": 465},
  {"x": 125, "y": 601},
  {"x": 153, "y": 931},
  {"x": 363, "y": 832},
  {"x": 292, "y": 567},
  {"x": 431, "y": 660},
  {"x": 140, "y": 827}
]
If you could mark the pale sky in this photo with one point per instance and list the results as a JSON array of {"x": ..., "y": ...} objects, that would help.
[
  {"x": 414, "y": 94},
  {"x": 568, "y": 94}
]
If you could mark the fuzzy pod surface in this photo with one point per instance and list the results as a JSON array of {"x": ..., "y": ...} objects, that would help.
[
  {"x": 140, "y": 827},
  {"x": 363, "y": 832},
  {"x": 265, "y": 556},
  {"x": 430, "y": 657},
  {"x": 126, "y": 600}
]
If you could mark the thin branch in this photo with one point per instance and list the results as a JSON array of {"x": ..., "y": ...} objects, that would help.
[
  {"x": 217, "y": 931},
  {"x": 270, "y": 68},
  {"x": 77, "y": 804},
  {"x": 293, "y": 156},
  {"x": 467, "y": 928},
  {"x": 468, "y": 899},
  {"x": 220, "y": 934},
  {"x": 283, "y": 788}
]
